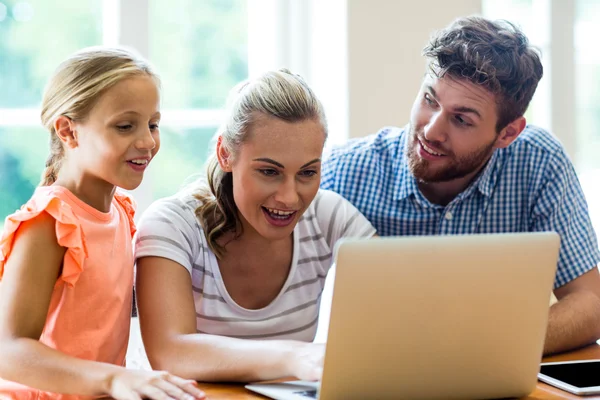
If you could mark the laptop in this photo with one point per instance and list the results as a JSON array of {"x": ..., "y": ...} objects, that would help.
[{"x": 434, "y": 317}]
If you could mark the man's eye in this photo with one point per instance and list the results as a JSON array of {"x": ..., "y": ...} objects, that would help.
[{"x": 461, "y": 121}]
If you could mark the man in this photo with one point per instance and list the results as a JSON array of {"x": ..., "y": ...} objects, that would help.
[{"x": 467, "y": 163}]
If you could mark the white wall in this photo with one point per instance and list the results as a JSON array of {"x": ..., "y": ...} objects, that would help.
[
  {"x": 385, "y": 66},
  {"x": 362, "y": 57}
]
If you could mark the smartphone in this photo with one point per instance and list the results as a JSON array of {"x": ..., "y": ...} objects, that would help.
[{"x": 577, "y": 377}]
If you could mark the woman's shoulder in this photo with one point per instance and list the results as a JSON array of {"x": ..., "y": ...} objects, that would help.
[
  {"x": 321, "y": 211},
  {"x": 336, "y": 217},
  {"x": 176, "y": 211},
  {"x": 170, "y": 229},
  {"x": 325, "y": 202},
  {"x": 183, "y": 204}
]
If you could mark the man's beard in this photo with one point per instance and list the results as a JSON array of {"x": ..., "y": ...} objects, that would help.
[{"x": 455, "y": 168}]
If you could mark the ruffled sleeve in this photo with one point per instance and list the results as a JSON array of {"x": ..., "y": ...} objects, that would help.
[
  {"x": 128, "y": 204},
  {"x": 68, "y": 232}
]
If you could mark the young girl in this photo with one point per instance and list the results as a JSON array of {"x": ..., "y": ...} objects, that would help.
[
  {"x": 245, "y": 256},
  {"x": 66, "y": 262}
]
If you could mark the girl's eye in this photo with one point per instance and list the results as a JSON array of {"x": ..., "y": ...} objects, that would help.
[
  {"x": 268, "y": 172},
  {"x": 428, "y": 99},
  {"x": 153, "y": 127},
  {"x": 124, "y": 128}
]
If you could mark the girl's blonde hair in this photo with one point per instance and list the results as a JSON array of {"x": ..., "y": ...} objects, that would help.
[
  {"x": 76, "y": 86},
  {"x": 278, "y": 94}
]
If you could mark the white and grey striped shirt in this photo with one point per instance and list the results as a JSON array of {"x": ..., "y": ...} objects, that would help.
[{"x": 170, "y": 229}]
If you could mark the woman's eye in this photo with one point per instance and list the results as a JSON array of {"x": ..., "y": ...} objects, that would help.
[
  {"x": 153, "y": 127},
  {"x": 308, "y": 173},
  {"x": 268, "y": 172}
]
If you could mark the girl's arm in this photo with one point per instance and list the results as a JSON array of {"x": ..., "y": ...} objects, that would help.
[
  {"x": 25, "y": 292},
  {"x": 168, "y": 323}
]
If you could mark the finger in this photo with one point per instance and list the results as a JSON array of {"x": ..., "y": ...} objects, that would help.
[
  {"x": 127, "y": 396},
  {"x": 319, "y": 373},
  {"x": 155, "y": 393},
  {"x": 316, "y": 374},
  {"x": 173, "y": 390},
  {"x": 188, "y": 385}
]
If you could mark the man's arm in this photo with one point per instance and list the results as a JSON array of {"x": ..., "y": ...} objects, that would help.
[
  {"x": 575, "y": 320},
  {"x": 559, "y": 205}
]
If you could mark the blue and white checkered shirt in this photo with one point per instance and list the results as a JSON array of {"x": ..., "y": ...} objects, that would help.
[{"x": 529, "y": 186}]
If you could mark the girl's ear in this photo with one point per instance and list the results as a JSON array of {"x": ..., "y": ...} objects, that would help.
[
  {"x": 65, "y": 130},
  {"x": 223, "y": 155}
]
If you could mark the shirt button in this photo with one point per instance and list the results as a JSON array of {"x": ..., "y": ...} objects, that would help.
[{"x": 448, "y": 216}]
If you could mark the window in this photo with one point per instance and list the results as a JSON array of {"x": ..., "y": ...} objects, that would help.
[
  {"x": 550, "y": 25},
  {"x": 587, "y": 64},
  {"x": 25, "y": 64},
  {"x": 529, "y": 15},
  {"x": 587, "y": 102},
  {"x": 199, "y": 48}
]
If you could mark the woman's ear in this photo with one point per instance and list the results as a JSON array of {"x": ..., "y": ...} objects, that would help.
[
  {"x": 223, "y": 155},
  {"x": 65, "y": 130}
]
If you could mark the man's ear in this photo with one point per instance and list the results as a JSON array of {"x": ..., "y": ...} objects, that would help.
[
  {"x": 223, "y": 155},
  {"x": 510, "y": 132},
  {"x": 65, "y": 130}
]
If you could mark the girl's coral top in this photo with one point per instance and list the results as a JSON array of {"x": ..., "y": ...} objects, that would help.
[{"x": 90, "y": 308}]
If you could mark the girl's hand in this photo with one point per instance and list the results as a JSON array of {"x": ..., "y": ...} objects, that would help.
[
  {"x": 306, "y": 362},
  {"x": 155, "y": 385}
]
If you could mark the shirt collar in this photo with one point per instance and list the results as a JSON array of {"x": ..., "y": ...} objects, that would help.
[{"x": 487, "y": 179}]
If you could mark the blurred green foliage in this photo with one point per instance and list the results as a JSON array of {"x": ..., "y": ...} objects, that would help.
[{"x": 197, "y": 46}]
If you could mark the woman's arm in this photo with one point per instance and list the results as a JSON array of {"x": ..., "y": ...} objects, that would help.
[
  {"x": 25, "y": 292},
  {"x": 168, "y": 323}
]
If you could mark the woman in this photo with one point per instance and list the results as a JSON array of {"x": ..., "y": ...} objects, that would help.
[{"x": 244, "y": 256}]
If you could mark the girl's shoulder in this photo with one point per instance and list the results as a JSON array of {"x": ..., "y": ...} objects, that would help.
[
  {"x": 53, "y": 201},
  {"x": 128, "y": 205}
]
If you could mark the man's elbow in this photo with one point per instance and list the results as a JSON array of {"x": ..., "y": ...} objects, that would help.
[
  {"x": 596, "y": 323},
  {"x": 574, "y": 322},
  {"x": 592, "y": 322}
]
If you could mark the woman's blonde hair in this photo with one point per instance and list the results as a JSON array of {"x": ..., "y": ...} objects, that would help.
[
  {"x": 279, "y": 94},
  {"x": 76, "y": 86}
]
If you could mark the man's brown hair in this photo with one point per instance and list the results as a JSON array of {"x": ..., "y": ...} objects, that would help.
[{"x": 494, "y": 54}]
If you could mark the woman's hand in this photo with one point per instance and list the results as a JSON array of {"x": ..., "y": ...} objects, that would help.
[
  {"x": 306, "y": 361},
  {"x": 155, "y": 385}
]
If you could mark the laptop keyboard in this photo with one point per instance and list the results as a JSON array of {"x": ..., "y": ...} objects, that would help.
[{"x": 311, "y": 394}]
